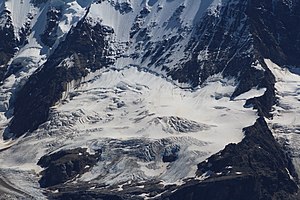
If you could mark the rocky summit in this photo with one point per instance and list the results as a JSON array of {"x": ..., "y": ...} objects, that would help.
[{"x": 152, "y": 99}]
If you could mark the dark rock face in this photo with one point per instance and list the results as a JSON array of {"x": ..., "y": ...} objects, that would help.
[
  {"x": 275, "y": 27},
  {"x": 49, "y": 36},
  {"x": 171, "y": 153},
  {"x": 123, "y": 7},
  {"x": 256, "y": 168},
  {"x": 65, "y": 165},
  {"x": 218, "y": 45},
  {"x": 218, "y": 189},
  {"x": 8, "y": 43},
  {"x": 87, "y": 48},
  {"x": 131, "y": 191},
  {"x": 230, "y": 50},
  {"x": 264, "y": 103}
]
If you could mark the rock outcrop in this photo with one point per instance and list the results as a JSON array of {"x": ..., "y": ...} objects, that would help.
[{"x": 66, "y": 165}]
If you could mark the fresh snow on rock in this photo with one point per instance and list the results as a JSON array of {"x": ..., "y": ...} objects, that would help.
[
  {"x": 286, "y": 120},
  {"x": 19, "y": 12},
  {"x": 163, "y": 21},
  {"x": 257, "y": 66}
]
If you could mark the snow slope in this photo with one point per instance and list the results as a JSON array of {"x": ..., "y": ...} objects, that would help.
[{"x": 164, "y": 27}]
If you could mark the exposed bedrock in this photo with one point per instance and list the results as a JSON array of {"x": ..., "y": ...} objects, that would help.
[{"x": 65, "y": 165}]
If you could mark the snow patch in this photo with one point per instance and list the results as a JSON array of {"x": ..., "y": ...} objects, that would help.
[
  {"x": 257, "y": 66},
  {"x": 254, "y": 92}
]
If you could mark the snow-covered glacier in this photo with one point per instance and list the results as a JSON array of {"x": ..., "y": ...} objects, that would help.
[{"x": 142, "y": 99}]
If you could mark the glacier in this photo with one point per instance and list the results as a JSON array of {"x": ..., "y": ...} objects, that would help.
[{"x": 172, "y": 85}]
